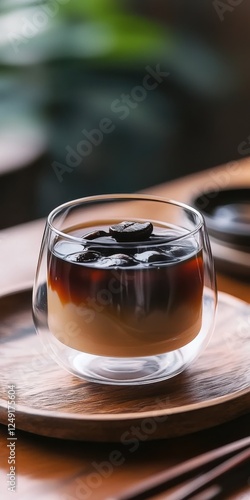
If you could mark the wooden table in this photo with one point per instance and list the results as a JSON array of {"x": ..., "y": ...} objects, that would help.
[{"x": 63, "y": 470}]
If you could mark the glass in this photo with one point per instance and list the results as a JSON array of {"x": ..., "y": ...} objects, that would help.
[{"x": 125, "y": 312}]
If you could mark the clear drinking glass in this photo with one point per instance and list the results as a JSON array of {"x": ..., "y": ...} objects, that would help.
[{"x": 130, "y": 309}]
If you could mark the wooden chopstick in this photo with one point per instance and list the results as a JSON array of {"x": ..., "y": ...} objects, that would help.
[
  {"x": 177, "y": 474},
  {"x": 197, "y": 484}
]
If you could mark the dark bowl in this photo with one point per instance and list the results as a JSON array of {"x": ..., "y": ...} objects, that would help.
[{"x": 227, "y": 216}]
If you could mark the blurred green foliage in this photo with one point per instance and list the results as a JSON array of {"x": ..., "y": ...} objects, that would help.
[
  {"x": 62, "y": 65},
  {"x": 97, "y": 30}
]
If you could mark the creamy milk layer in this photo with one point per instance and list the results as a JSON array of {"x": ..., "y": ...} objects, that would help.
[
  {"x": 136, "y": 300},
  {"x": 98, "y": 333}
]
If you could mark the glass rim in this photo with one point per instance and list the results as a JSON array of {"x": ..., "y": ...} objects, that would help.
[{"x": 123, "y": 197}]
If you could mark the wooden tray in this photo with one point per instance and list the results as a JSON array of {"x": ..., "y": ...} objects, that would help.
[{"x": 52, "y": 402}]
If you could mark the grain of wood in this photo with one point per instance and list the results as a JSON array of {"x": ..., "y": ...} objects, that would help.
[{"x": 52, "y": 402}]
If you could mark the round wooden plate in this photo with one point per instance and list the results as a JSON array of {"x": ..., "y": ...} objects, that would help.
[{"x": 52, "y": 402}]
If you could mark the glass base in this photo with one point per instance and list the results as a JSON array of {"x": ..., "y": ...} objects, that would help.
[
  {"x": 133, "y": 370},
  {"x": 128, "y": 371}
]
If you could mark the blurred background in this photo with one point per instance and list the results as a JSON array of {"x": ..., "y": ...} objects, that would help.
[{"x": 101, "y": 96}]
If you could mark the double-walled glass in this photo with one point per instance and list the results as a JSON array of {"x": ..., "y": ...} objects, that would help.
[{"x": 124, "y": 312}]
